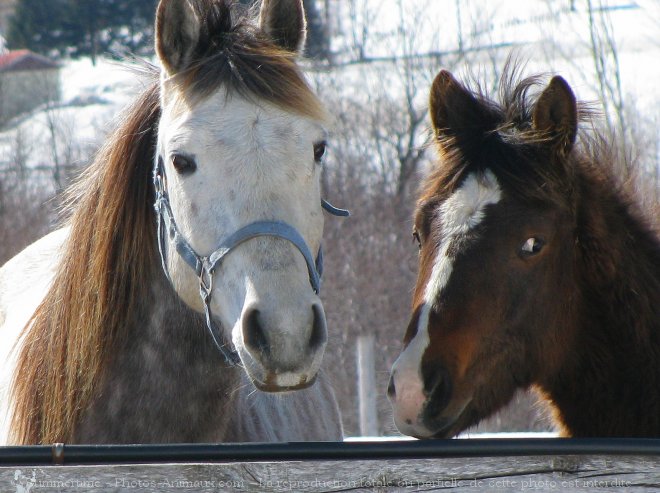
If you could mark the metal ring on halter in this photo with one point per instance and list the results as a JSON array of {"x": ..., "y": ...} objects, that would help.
[
  {"x": 205, "y": 289},
  {"x": 204, "y": 267}
]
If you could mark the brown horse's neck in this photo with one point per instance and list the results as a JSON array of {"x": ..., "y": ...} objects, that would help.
[{"x": 611, "y": 384}]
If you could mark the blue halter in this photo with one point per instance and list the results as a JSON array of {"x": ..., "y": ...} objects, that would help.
[{"x": 205, "y": 267}]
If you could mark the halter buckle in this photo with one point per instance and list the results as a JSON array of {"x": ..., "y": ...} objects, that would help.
[{"x": 205, "y": 282}]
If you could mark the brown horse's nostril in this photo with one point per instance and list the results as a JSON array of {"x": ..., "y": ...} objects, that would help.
[
  {"x": 319, "y": 334},
  {"x": 391, "y": 390},
  {"x": 438, "y": 388},
  {"x": 254, "y": 335}
]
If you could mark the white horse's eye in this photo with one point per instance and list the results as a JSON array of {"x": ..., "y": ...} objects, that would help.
[
  {"x": 319, "y": 150},
  {"x": 532, "y": 246},
  {"x": 183, "y": 164}
]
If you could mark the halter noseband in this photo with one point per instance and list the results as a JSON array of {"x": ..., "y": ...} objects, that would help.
[{"x": 204, "y": 266}]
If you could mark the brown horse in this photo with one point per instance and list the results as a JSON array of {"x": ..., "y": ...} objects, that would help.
[{"x": 535, "y": 269}]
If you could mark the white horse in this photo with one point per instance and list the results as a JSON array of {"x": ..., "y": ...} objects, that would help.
[{"x": 136, "y": 323}]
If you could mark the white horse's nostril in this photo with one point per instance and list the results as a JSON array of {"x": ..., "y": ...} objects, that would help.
[
  {"x": 277, "y": 344},
  {"x": 254, "y": 335},
  {"x": 319, "y": 335}
]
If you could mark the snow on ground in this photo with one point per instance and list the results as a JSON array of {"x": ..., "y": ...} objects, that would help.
[
  {"x": 109, "y": 81},
  {"x": 70, "y": 131}
]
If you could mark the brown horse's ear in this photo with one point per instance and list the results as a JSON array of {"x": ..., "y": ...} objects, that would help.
[
  {"x": 284, "y": 21},
  {"x": 555, "y": 114},
  {"x": 177, "y": 34},
  {"x": 457, "y": 117}
]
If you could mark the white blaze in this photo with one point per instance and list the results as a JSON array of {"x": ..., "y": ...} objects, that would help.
[{"x": 457, "y": 216}]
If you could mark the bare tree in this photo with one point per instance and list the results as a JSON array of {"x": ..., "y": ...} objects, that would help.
[
  {"x": 25, "y": 212},
  {"x": 605, "y": 57}
]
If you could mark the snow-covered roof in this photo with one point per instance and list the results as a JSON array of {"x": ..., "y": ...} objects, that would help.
[{"x": 24, "y": 60}]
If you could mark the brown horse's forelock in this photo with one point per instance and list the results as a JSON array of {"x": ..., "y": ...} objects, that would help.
[{"x": 508, "y": 148}]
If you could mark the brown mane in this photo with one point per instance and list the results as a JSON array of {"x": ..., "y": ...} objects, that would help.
[
  {"x": 511, "y": 118},
  {"x": 110, "y": 253},
  {"x": 105, "y": 263}
]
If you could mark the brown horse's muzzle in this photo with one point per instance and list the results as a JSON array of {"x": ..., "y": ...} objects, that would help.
[{"x": 420, "y": 403}]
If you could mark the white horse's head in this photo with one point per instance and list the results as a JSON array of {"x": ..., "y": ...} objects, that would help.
[{"x": 241, "y": 139}]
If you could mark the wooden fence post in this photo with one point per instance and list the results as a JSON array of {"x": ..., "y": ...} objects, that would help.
[{"x": 367, "y": 385}]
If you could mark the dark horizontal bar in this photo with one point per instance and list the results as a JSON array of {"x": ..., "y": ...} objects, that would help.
[{"x": 493, "y": 447}]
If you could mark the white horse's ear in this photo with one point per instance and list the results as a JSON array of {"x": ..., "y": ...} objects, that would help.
[
  {"x": 284, "y": 21},
  {"x": 177, "y": 34}
]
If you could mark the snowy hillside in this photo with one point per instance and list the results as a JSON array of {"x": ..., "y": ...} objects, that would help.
[{"x": 72, "y": 129}]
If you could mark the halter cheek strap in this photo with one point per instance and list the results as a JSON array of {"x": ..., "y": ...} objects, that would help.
[{"x": 205, "y": 266}]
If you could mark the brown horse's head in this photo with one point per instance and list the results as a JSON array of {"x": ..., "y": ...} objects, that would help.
[{"x": 495, "y": 225}]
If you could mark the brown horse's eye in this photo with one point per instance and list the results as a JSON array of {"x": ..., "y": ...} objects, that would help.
[
  {"x": 319, "y": 150},
  {"x": 417, "y": 239},
  {"x": 183, "y": 164},
  {"x": 531, "y": 247}
]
